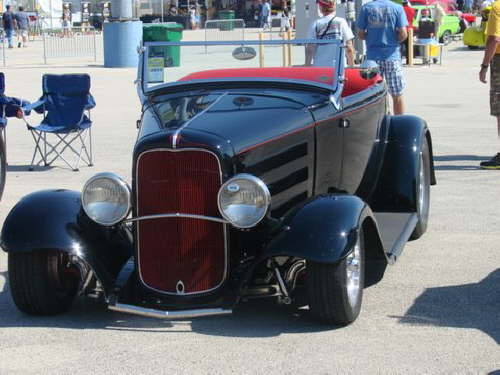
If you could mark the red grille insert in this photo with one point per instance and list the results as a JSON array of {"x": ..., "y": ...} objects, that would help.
[{"x": 179, "y": 249}]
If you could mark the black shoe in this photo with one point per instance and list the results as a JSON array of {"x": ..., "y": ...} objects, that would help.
[
  {"x": 19, "y": 45},
  {"x": 493, "y": 163}
]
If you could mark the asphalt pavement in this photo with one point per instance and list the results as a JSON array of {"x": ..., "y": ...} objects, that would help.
[{"x": 437, "y": 310}]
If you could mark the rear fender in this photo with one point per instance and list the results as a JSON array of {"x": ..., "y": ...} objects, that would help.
[
  {"x": 397, "y": 182},
  {"x": 54, "y": 220},
  {"x": 325, "y": 229}
]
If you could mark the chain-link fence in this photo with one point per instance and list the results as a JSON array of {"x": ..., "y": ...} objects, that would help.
[{"x": 74, "y": 42}]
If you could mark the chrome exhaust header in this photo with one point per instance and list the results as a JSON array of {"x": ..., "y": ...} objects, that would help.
[{"x": 176, "y": 314}]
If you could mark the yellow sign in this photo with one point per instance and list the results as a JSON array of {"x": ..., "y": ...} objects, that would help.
[{"x": 155, "y": 70}]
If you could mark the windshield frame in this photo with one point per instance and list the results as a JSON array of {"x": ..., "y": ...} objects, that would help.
[{"x": 335, "y": 88}]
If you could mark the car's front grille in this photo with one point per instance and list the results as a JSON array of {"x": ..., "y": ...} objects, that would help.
[{"x": 179, "y": 255}]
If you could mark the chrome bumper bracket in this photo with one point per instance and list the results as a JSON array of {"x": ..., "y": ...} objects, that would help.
[{"x": 176, "y": 314}]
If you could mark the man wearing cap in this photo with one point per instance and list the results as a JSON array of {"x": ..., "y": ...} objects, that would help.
[
  {"x": 491, "y": 59},
  {"x": 382, "y": 24},
  {"x": 328, "y": 27}
]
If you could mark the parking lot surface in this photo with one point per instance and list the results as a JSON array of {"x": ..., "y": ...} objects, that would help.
[{"x": 437, "y": 310}]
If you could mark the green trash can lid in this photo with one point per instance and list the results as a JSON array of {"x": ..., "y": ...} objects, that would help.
[
  {"x": 164, "y": 25},
  {"x": 173, "y": 26}
]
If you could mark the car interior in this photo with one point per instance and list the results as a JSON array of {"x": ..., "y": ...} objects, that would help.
[{"x": 354, "y": 82}]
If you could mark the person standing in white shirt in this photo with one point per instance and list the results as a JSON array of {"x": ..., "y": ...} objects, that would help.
[
  {"x": 328, "y": 27},
  {"x": 266, "y": 15}
]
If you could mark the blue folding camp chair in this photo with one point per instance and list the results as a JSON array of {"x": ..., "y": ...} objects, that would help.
[{"x": 66, "y": 103}]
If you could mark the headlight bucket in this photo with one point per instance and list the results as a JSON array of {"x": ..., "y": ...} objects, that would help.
[
  {"x": 244, "y": 200},
  {"x": 106, "y": 199}
]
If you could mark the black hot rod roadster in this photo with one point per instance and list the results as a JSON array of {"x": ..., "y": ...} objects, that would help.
[{"x": 248, "y": 182}]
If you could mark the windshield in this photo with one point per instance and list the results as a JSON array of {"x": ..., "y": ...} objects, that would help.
[{"x": 310, "y": 62}]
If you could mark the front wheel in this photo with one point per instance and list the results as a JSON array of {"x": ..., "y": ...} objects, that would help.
[
  {"x": 335, "y": 291},
  {"x": 44, "y": 282},
  {"x": 446, "y": 37}
]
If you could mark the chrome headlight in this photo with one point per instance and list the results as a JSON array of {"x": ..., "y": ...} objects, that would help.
[
  {"x": 106, "y": 199},
  {"x": 244, "y": 200}
]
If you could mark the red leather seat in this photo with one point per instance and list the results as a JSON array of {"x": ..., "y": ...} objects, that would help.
[{"x": 354, "y": 82}]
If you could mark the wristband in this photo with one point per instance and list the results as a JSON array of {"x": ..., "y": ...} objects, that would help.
[{"x": 484, "y": 66}]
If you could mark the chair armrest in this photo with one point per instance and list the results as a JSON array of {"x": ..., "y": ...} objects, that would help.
[
  {"x": 12, "y": 106},
  {"x": 90, "y": 102},
  {"x": 36, "y": 106}
]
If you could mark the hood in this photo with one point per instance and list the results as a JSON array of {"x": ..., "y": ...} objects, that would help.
[{"x": 243, "y": 119}]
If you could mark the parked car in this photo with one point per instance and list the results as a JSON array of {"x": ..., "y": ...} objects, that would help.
[
  {"x": 291, "y": 183},
  {"x": 475, "y": 36},
  {"x": 450, "y": 25},
  {"x": 450, "y": 8}
]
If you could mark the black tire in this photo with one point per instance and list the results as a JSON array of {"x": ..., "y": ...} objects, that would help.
[
  {"x": 327, "y": 289},
  {"x": 446, "y": 37},
  {"x": 423, "y": 193},
  {"x": 42, "y": 283},
  {"x": 3, "y": 166}
]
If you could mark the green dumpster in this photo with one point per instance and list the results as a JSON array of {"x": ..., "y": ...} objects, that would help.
[
  {"x": 226, "y": 15},
  {"x": 164, "y": 32}
]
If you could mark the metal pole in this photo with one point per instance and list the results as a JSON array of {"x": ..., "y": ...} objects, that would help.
[
  {"x": 162, "y": 10},
  {"x": 261, "y": 50},
  {"x": 284, "y": 51},
  {"x": 95, "y": 48},
  {"x": 51, "y": 15},
  {"x": 44, "y": 48},
  {"x": 410, "y": 47},
  {"x": 289, "y": 37},
  {"x": 3, "y": 49}
]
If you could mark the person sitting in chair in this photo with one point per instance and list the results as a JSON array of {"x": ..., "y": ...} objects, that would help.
[
  {"x": 426, "y": 26},
  {"x": 426, "y": 32}
]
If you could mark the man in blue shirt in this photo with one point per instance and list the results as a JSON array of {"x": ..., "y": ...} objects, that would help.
[
  {"x": 23, "y": 24},
  {"x": 9, "y": 23},
  {"x": 382, "y": 24}
]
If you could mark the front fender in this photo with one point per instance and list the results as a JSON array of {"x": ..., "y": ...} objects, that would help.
[
  {"x": 322, "y": 230},
  {"x": 54, "y": 220}
]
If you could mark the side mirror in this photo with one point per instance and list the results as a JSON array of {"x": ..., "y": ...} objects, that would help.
[{"x": 369, "y": 69}]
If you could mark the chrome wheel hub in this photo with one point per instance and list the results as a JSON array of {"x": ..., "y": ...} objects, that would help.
[{"x": 353, "y": 274}]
